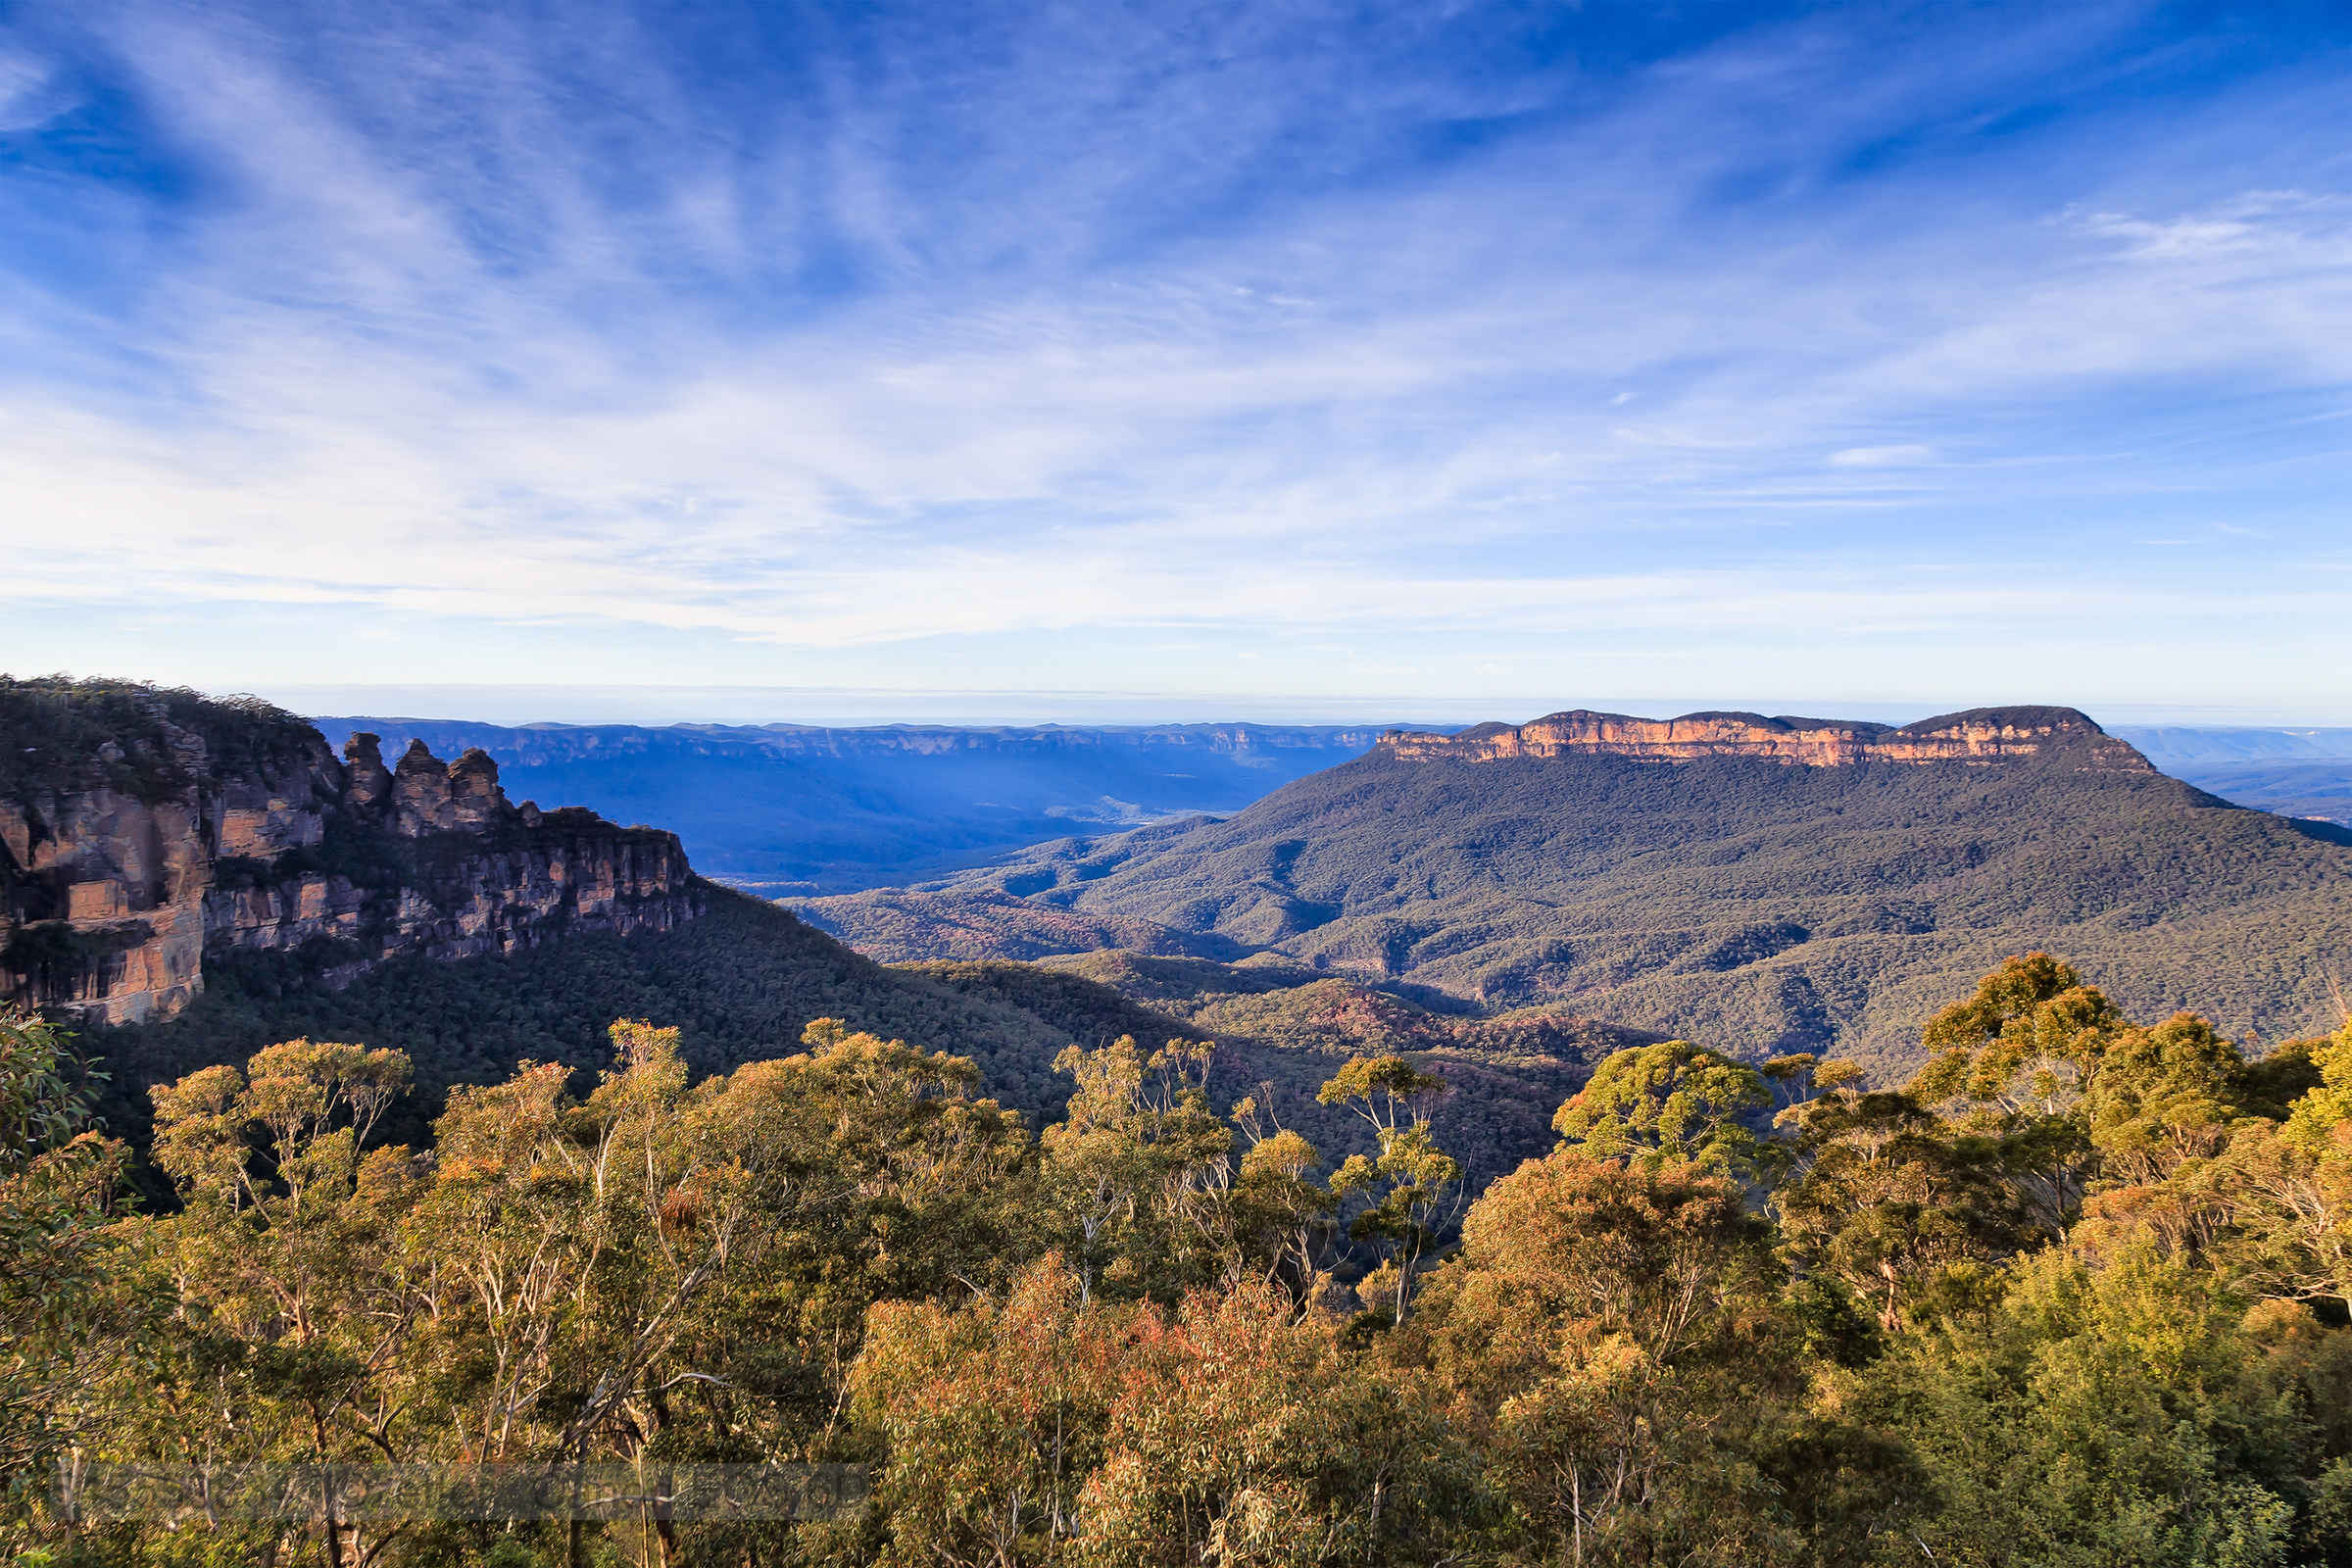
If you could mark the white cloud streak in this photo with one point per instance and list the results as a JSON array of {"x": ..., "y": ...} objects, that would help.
[{"x": 499, "y": 327}]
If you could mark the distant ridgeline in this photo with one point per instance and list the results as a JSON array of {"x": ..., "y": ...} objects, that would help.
[
  {"x": 1752, "y": 882},
  {"x": 145, "y": 832},
  {"x": 791, "y": 809},
  {"x": 2301, "y": 772}
]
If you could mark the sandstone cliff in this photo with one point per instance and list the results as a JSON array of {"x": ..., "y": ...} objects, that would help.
[
  {"x": 1980, "y": 736},
  {"x": 141, "y": 831}
]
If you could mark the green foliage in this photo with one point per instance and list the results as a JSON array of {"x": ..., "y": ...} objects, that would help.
[
  {"x": 1892, "y": 1203},
  {"x": 2162, "y": 1098},
  {"x": 2128, "y": 1414},
  {"x": 1603, "y": 1334},
  {"x": 1875, "y": 1331},
  {"x": 1671, "y": 1102},
  {"x": 1135, "y": 1167},
  {"x": 2329, "y": 1106},
  {"x": 2032, "y": 1033},
  {"x": 61, "y": 1323},
  {"x": 1046, "y": 1426},
  {"x": 1381, "y": 1088},
  {"x": 1407, "y": 1192}
]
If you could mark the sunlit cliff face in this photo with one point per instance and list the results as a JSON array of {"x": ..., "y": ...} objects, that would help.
[
  {"x": 115, "y": 900},
  {"x": 1984, "y": 735}
]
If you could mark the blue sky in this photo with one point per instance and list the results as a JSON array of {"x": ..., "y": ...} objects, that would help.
[{"x": 1280, "y": 353}]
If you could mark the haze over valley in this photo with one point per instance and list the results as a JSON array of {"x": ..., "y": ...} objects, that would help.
[{"x": 792, "y": 808}]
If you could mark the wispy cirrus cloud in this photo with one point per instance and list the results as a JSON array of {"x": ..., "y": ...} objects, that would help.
[
  {"x": 1897, "y": 457},
  {"x": 762, "y": 341}
]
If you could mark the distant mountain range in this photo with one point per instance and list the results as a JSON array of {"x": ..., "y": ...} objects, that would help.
[
  {"x": 788, "y": 809},
  {"x": 2177, "y": 745},
  {"x": 1755, "y": 883},
  {"x": 2294, "y": 772},
  {"x": 793, "y": 810}
]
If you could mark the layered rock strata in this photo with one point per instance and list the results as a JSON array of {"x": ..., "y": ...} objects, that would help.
[
  {"x": 1980, "y": 736},
  {"x": 119, "y": 879}
]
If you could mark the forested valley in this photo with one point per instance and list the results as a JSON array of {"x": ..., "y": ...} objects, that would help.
[{"x": 2076, "y": 1294}]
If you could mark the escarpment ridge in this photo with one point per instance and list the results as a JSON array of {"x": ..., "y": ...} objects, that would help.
[
  {"x": 1761, "y": 884},
  {"x": 1978, "y": 736},
  {"x": 143, "y": 830}
]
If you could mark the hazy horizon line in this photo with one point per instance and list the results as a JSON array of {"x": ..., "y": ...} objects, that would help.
[{"x": 517, "y": 704}]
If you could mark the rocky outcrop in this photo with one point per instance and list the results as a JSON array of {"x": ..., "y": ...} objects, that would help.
[
  {"x": 367, "y": 782},
  {"x": 211, "y": 830},
  {"x": 1981, "y": 736}
]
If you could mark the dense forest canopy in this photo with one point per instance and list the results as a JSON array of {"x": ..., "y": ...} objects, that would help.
[
  {"x": 745, "y": 978},
  {"x": 2076, "y": 1294}
]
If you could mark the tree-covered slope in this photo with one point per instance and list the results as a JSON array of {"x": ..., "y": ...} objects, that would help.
[
  {"x": 1745, "y": 903},
  {"x": 911, "y": 925},
  {"x": 741, "y": 981},
  {"x": 1282, "y": 1032}
]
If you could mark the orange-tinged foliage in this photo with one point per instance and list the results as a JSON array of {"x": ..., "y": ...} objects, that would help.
[{"x": 2079, "y": 1301}]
